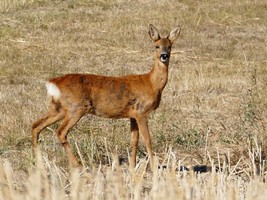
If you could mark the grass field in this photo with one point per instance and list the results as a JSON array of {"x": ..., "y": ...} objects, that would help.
[{"x": 213, "y": 109}]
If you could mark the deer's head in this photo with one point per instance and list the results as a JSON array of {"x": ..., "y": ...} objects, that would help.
[{"x": 163, "y": 45}]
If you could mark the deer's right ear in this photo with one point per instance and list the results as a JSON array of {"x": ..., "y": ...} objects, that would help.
[
  {"x": 153, "y": 33},
  {"x": 174, "y": 34}
]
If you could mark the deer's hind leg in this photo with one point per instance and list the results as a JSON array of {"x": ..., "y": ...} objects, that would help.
[
  {"x": 70, "y": 119},
  {"x": 54, "y": 114}
]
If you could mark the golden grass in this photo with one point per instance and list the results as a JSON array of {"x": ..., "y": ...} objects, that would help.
[
  {"x": 213, "y": 109},
  {"x": 47, "y": 181}
]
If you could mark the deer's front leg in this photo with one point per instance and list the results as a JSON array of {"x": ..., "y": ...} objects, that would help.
[
  {"x": 143, "y": 127},
  {"x": 135, "y": 139}
]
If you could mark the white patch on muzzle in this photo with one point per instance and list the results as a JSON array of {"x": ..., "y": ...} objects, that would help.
[
  {"x": 163, "y": 60},
  {"x": 52, "y": 90}
]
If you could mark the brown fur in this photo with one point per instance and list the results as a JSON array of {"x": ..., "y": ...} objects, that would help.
[{"x": 132, "y": 96}]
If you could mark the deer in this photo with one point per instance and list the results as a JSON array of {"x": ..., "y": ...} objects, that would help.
[{"x": 131, "y": 96}]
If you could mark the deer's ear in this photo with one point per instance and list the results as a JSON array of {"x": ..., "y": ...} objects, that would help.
[
  {"x": 174, "y": 34},
  {"x": 153, "y": 33}
]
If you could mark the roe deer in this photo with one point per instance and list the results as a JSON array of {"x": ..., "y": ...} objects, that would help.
[{"x": 132, "y": 96}]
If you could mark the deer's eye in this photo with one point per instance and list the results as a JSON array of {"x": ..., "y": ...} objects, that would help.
[{"x": 157, "y": 47}]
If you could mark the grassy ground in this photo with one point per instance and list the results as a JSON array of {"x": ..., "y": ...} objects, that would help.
[{"x": 213, "y": 108}]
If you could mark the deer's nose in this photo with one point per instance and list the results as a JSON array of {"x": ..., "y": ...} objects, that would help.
[{"x": 164, "y": 57}]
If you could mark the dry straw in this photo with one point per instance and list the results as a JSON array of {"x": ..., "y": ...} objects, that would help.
[{"x": 47, "y": 181}]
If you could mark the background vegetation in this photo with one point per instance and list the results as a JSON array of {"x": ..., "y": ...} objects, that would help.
[{"x": 213, "y": 109}]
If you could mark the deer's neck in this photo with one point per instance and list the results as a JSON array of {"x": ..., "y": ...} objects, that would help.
[{"x": 159, "y": 75}]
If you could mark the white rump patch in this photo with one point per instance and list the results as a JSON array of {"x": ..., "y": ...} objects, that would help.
[{"x": 52, "y": 90}]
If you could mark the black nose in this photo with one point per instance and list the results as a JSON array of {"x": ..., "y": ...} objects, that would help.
[{"x": 164, "y": 57}]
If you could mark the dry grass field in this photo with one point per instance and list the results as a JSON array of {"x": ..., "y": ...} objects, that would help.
[{"x": 213, "y": 109}]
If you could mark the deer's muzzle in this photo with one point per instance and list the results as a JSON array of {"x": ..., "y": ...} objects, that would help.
[{"x": 164, "y": 57}]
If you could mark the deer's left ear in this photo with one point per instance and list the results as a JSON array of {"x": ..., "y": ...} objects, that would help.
[{"x": 174, "y": 34}]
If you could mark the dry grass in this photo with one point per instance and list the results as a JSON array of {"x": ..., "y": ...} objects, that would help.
[
  {"x": 47, "y": 181},
  {"x": 213, "y": 109}
]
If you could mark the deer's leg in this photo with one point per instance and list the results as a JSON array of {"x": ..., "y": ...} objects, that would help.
[
  {"x": 54, "y": 114},
  {"x": 68, "y": 122},
  {"x": 144, "y": 131},
  {"x": 135, "y": 139}
]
